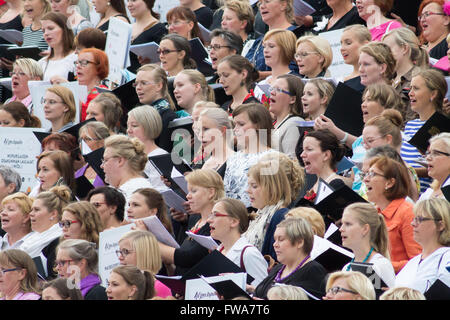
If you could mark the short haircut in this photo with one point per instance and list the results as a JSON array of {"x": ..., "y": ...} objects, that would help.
[
  {"x": 356, "y": 281},
  {"x": 312, "y": 216},
  {"x": 207, "y": 178},
  {"x": 438, "y": 209},
  {"x": 385, "y": 95},
  {"x": 91, "y": 38},
  {"x": 100, "y": 61},
  {"x": 150, "y": 120},
  {"x": 9, "y": 176},
  {"x": 68, "y": 99},
  {"x": 382, "y": 54},
  {"x": 111, "y": 108},
  {"x": 286, "y": 41},
  {"x": 402, "y": 293},
  {"x": 298, "y": 229},
  {"x": 321, "y": 45},
  {"x": 393, "y": 170},
  {"x": 30, "y": 67},
  {"x": 23, "y": 202},
  {"x": 244, "y": 12},
  {"x": 232, "y": 40},
  {"x": 65, "y": 291},
  {"x": 113, "y": 197},
  {"x": 63, "y": 141}
]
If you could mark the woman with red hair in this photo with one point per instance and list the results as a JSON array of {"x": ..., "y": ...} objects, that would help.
[
  {"x": 92, "y": 67},
  {"x": 434, "y": 25}
]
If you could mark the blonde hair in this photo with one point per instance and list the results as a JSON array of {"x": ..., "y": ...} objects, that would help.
[
  {"x": 286, "y": 292},
  {"x": 402, "y": 293},
  {"x": 361, "y": 32},
  {"x": 159, "y": 75},
  {"x": 131, "y": 149},
  {"x": 68, "y": 99},
  {"x": 90, "y": 222},
  {"x": 98, "y": 128},
  {"x": 435, "y": 81},
  {"x": 312, "y": 216},
  {"x": 23, "y": 202},
  {"x": 148, "y": 256},
  {"x": 298, "y": 229},
  {"x": 55, "y": 199},
  {"x": 286, "y": 41},
  {"x": 30, "y": 67},
  {"x": 438, "y": 209},
  {"x": 321, "y": 45},
  {"x": 388, "y": 122},
  {"x": 243, "y": 11},
  {"x": 195, "y": 77},
  {"x": 237, "y": 210},
  {"x": 405, "y": 37},
  {"x": 445, "y": 138},
  {"x": 207, "y": 178},
  {"x": 150, "y": 120},
  {"x": 324, "y": 88},
  {"x": 366, "y": 213},
  {"x": 382, "y": 55},
  {"x": 356, "y": 281}
]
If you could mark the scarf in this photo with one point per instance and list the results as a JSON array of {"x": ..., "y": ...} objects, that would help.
[
  {"x": 88, "y": 283},
  {"x": 256, "y": 231}
]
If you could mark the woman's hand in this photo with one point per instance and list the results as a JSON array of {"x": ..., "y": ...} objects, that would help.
[
  {"x": 306, "y": 21},
  {"x": 44, "y": 53},
  {"x": 250, "y": 288},
  {"x": 446, "y": 106},
  {"x": 323, "y": 122},
  {"x": 165, "y": 181},
  {"x": 140, "y": 225},
  {"x": 178, "y": 216}
]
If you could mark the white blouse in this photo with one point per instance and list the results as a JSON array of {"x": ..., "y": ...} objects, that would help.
[{"x": 382, "y": 267}]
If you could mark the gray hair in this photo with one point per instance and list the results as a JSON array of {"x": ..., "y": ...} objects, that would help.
[
  {"x": 78, "y": 249},
  {"x": 99, "y": 129},
  {"x": 10, "y": 175},
  {"x": 233, "y": 40}
]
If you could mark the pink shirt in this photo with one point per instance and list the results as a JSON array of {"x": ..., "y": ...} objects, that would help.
[
  {"x": 378, "y": 32},
  {"x": 162, "y": 290},
  {"x": 26, "y": 296}
]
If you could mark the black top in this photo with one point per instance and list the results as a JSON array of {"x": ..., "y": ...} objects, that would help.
[
  {"x": 15, "y": 23},
  {"x": 190, "y": 252},
  {"x": 96, "y": 293},
  {"x": 204, "y": 16},
  {"x": 351, "y": 17},
  {"x": 104, "y": 27},
  {"x": 355, "y": 83},
  {"x": 226, "y": 105},
  {"x": 153, "y": 34},
  {"x": 440, "y": 50},
  {"x": 310, "y": 277},
  {"x": 49, "y": 253}
]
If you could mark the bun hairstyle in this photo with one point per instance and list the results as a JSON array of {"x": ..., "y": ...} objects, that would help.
[
  {"x": 388, "y": 123},
  {"x": 56, "y": 198},
  {"x": 329, "y": 141},
  {"x": 19, "y": 111},
  {"x": 236, "y": 209},
  {"x": 239, "y": 63},
  {"x": 131, "y": 149}
]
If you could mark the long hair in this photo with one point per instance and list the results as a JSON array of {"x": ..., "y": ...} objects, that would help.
[{"x": 67, "y": 33}]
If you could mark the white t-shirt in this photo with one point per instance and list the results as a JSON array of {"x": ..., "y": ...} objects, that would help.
[
  {"x": 382, "y": 267},
  {"x": 421, "y": 275},
  {"x": 60, "y": 67}
]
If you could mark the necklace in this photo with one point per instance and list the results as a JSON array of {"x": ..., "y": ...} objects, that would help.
[
  {"x": 278, "y": 278},
  {"x": 365, "y": 259}
]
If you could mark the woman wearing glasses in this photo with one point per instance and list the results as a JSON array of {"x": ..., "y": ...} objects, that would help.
[
  {"x": 237, "y": 75},
  {"x": 140, "y": 249},
  {"x": 293, "y": 244},
  {"x": 152, "y": 89},
  {"x": 438, "y": 165},
  {"x": 110, "y": 205},
  {"x": 286, "y": 106},
  {"x": 45, "y": 214},
  {"x": 80, "y": 220},
  {"x": 313, "y": 56},
  {"x": 388, "y": 184},
  {"x": 182, "y": 21},
  {"x": 59, "y": 108},
  {"x": 175, "y": 54},
  {"x": 431, "y": 225},
  {"x": 426, "y": 95},
  {"x": 146, "y": 28},
  {"x": 279, "y": 50},
  {"x": 18, "y": 276},
  {"x": 60, "y": 40},
  {"x": 77, "y": 261},
  {"x": 228, "y": 221},
  {"x": 349, "y": 285},
  {"x": 434, "y": 25}
]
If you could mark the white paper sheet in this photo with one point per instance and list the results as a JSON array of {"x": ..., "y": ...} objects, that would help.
[
  {"x": 206, "y": 241},
  {"x": 159, "y": 231}
]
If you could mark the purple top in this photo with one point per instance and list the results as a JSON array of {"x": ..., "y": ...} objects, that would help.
[
  {"x": 98, "y": 182},
  {"x": 88, "y": 283}
]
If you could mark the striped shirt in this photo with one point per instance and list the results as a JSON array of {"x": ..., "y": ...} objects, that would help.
[
  {"x": 410, "y": 153},
  {"x": 33, "y": 38}
]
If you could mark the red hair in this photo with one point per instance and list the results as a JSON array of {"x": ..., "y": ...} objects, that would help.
[
  {"x": 101, "y": 60},
  {"x": 423, "y": 5}
]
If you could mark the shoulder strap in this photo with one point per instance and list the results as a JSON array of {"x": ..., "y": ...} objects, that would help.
[{"x": 242, "y": 257}]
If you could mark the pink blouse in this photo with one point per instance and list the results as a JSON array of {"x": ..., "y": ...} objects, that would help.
[
  {"x": 162, "y": 290},
  {"x": 378, "y": 32}
]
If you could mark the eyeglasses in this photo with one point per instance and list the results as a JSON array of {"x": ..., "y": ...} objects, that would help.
[
  {"x": 217, "y": 214},
  {"x": 304, "y": 54},
  {"x": 217, "y": 47},
  {"x": 3, "y": 271},
  {"x": 83, "y": 63},
  {"x": 335, "y": 290},
  {"x": 123, "y": 252},
  {"x": 370, "y": 175},
  {"x": 265, "y": 2},
  {"x": 105, "y": 160},
  {"x": 142, "y": 83},
  {"x": 98, "y": 204},
  {"x": 370, "y": 141},
  {"x": 435, "y": 153},
  {"x": 67, "y": 223},
  {"x": 419, "y": 219},
  {"x": 427, "y": 14},
  {"x": 62, "y": 263},
  {"x": 50, "y": 101},
  {"x": 165, "y": 51},
  {"x": 87, "y": 139},
  {"x": 19, "y": 74},
  {"x": 176, "y": 23},
  {"x": 279, "y": 90}
]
